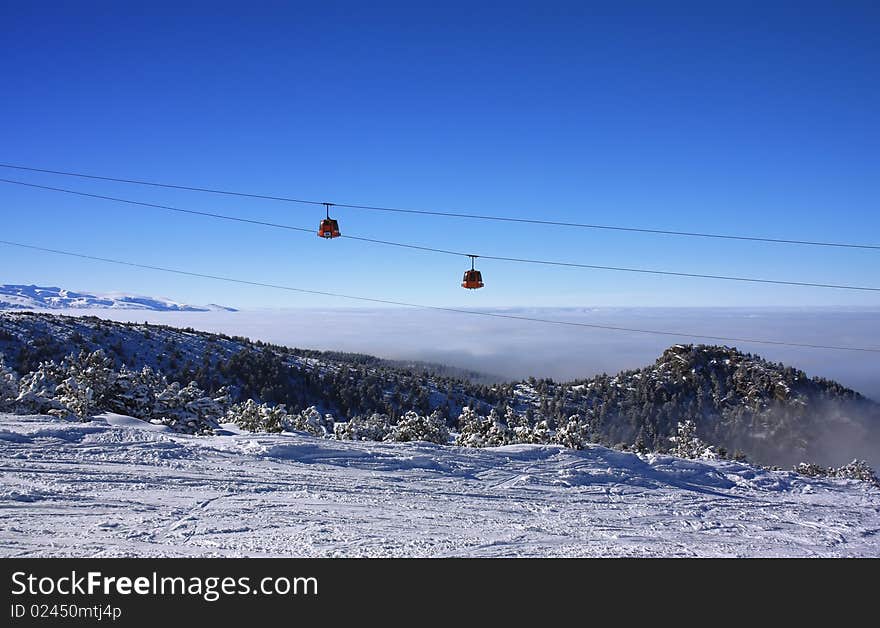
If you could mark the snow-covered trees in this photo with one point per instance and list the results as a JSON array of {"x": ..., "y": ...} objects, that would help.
[
  {"x": 313, "y": 422},
  {"x": 477, "y": 430},
  {"x": 247, "y": 415},
  {"x": 85, "y": 384},
  {"x": 188, "y": 409},
  {"x": 735, "y": 399},
  {"x": 36, "y": 391},
  {"x": 574, "y": 434},
  {"x": 77, "y": 399},
  {"x": 260, "y": 417},
  {"x": 134, "y": 393},
  {"x": 414, "y": 426},
  {"x": 540, "y": 433},
  {"x": 855, "y": 470},
  {"x": 640, "y": 410},
  {"x": 263, "y": 417},
  {"x": 686, "y": 443},
  {"x": 8, "y": 386},
  {"x": 88, "y": 378},
  {"x": 77, "y": 387},
  {"x": 374, "y": 427},
  {"x": 147, "y": 395}
]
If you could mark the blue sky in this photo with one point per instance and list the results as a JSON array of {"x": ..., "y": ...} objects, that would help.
[{"x": 745, "y": 118}]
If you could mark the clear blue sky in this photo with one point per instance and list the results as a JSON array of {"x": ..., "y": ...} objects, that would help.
[{"x": 748, "y": 118}]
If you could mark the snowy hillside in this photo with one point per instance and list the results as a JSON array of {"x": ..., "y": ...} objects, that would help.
[
  {"x": 739, "y": 402},
  {"x": 122, "y": 487},
  {"x": 51, "y": 298}
]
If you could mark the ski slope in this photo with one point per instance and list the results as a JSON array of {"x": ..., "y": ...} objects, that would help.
[{"x": 121, "y": 487}]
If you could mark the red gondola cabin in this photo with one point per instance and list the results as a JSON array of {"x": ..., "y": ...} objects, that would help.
[
  {"x": 329, "y": 228},
  {"x": 472, "y": 280}
]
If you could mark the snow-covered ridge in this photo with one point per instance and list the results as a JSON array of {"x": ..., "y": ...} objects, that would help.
[
  {"x": 13, "y": 296},
  {"x": 117, "y": 486},
  {"x": 772, "y": 413}
]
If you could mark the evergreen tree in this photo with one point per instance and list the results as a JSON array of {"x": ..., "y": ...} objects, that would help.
[
  {"x": 89, "y": 377},
  {"x": 36, "y": 392},
  {"x": 246, "y": 415},
  {"x": 375, "y": 427},
  {"x": 415, "y": 427},
  {"x": 574, "y": 433},
  {"x": 136, "y": 393},
  {"x": 541, "y": 433},
  {"x": 481, "y": 431},
  {"x": 256, "y": 417},
  {"x": 686, "y": 443},
  {"x": 313, "y": 422},
  {"x": 8, "y": 386},
  {"x": 187, "y": 409}
]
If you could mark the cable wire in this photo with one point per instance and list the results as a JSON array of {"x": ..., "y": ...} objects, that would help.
[
  {"x": 456, "y": 214},
  {"x": 116, "y": 199},
  {"x": 519, "y": 260},
  {"x": 435, "y": 307}
]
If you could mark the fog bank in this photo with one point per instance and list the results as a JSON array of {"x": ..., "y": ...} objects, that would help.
[{"x": 513, "y": 349}]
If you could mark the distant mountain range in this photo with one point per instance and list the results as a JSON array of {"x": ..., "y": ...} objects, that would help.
[{"x": 21, "y": 297}]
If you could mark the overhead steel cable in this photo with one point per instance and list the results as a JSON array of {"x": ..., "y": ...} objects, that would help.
[
  {"x": 437, "y": 307},
  {"x": 165, "y": 185},
  {"x": 519, "y": 260},
  {"x": 449, "y": 252},
  {"x": 458, "y": 214},
  {"x": 157, "y": 206}
]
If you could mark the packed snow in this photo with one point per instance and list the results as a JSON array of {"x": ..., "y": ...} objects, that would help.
[{"x": 118, "y": 486}]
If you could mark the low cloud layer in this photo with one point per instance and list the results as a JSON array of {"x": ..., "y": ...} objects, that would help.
[{"x": 512, "y": 349}]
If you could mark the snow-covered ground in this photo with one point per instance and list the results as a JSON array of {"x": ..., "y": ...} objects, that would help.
[{"x": 121, "y": 487}]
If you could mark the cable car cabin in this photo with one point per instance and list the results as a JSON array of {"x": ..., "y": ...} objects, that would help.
[
  {"x": 472, "y": 280},
  {"x": 329, "y": 228}
]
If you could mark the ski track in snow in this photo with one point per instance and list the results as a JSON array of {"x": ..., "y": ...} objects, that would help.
[{"x": 121, "y": 487}]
